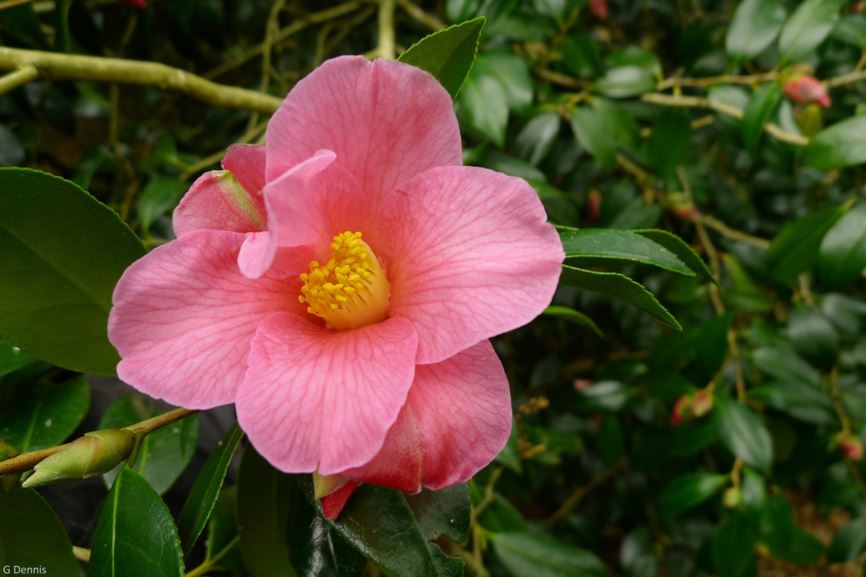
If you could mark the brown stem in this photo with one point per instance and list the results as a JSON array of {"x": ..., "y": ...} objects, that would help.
[{"x": 575, "y": 498}]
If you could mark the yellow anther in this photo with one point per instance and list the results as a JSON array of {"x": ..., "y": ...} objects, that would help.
[{"x": 350, "y": 290}]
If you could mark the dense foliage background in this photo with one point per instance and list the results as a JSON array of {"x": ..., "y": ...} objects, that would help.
[{"x": 731, "y": 447}]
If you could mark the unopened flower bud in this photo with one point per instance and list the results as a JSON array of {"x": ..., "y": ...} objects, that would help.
[
  {"x": 732, "y": 498},
  {"x": 93, "y": 454},
  {"x": 849, "y": 445},
  {"x": 7, "y": 451},
  {"x": 593, "y": 205},
  {"x": 702, "y": 403},
  {"x": 809, "y": 119},
  {"x": 806, "y": 90},
  {"x": 598, "y": 8},
  {"x": 682, "y": 410}
]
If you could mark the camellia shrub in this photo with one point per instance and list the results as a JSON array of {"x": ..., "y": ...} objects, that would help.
[{"x": 540, "y": 288}]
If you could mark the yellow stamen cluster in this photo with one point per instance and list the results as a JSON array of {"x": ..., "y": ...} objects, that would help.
[{"x": 350, "y": 290}]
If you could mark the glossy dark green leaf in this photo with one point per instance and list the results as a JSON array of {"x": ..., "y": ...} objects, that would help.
[
  {"x": 204, "y": 493},
  {"x": 604, "y": 396},
  {"x": 849, "y": 542},
  {"x": 580, "y": 55},
  {"x": 783, "y": 363},
  {"x": 58, "y": 310},
  {"x": 678, "y": 246},
  {"x": 754, "y": 27},
  {"x": 813, "y": 337},
  {"x": 619, "y": 287},
  {"x": 537, "y": 137},
  {"x": 398, "y": 532},
  {"x": 637, "y": 555},
  {"x": 842, "y": 256},
  {"x": 743, "y": 432},
  {"x": 800, "y": 400},
  {"x": 31, "y": 535},
  {"x": 11, "y": 151},
  {"x": 483, "y": 108},
  {"x": 264, "y": 501},
  {"x": 733, "y": 545},
  {"x": 529, "y": 554},
  {"x": 162, "y": 455},
  {"x": 796, "y": 247},
  {"x": 690, "y": 490},
  {"x": 512, "y": 74},
  {"x": 447, "y": 54},
  {"x": 574, "y": 316},
  {"x": 807, "y": 27},
  {"x": 669, "y": 141},
  {"x": 223, "y": 547},
  {"x": 837, "y": 146},
  {"x": 598, "y": 245},
  {"x": 602, "y": 129},
  {"x": 12, "y": 358},
  {"x": 851, "y": 29},
  {"x": 42, "y": 414},
  {"x": 762, "y": 104},
  {"x": 135, "y": 535},
  {"x": 626, "y": 82},
  {"x": 159, "y": 196}
]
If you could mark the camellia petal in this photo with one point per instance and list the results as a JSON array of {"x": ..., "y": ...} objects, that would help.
[
  {"x": 320, "y": 400},
  {"x": 184, "y": 316},
  {"x": 385, "y": 120},
  {"x": 217, "y": 201},
  {"x": 469, "y": 256},
  {"x": 247, "y": 163},
  {"x": 456, "y": 420}
]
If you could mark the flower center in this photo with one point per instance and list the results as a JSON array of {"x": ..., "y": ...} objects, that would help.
[{"x": 351, "y": 289}]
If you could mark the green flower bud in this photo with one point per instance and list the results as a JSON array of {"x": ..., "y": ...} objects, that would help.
[
  {"x": 732, "y": 498},
  {"x": 93, "y": 454}
]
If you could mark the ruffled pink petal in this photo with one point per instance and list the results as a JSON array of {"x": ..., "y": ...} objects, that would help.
[
  {"x": 184, "y": 317},
  {"x": 286, "y": 199},
  {"x": 320, "y": 400},
  {"x": 247, "y": 163},
  {"x": 218, "y": 201},
  {"x": 387, "y": 122},
  {"x": 469, "y": 256},
  {"x": 456, "y": 420}
]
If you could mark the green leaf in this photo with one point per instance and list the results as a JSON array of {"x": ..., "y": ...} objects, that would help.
[
  {"x": 162, "y": 455},
  {"x": 135, "y": 535},
  {"x": 32, "y": 536},
  {"x": 800, "y": 400},
  {"x": 733, "y": 546},
  {"x": 842, "y": 256},
  {"x": 158, "y": 197},
  {"x": 602, "y": 129},
  {"x": 619, "y": 287},
  {"x": 637, "y": 556},
  {"x": 11, "y": 151},
  {"x": 398, "y": 532},
  {"x": 527, "y": 554},
  {"x": 58, "y": 279},
  {"x": 580, "y": 55},
  {"x": 849, "y": 542},
  {"x": 263, "y": 503},
  {"x": 597, "y": 245},
  {"x": 762, "y": 104},
  {"x": 512, "y": 74},
  {"x": 447, "y": 54},
  {"x": 813, "y": 337},
  {"x": 626, "y": 82},
  {"x": 537, "y": 137},
  {"x": 851, "y": 29},
  {"x": 743, "y": 432},
  {"x": 12, "y": 358},
  {"x": 678, "y": 246},
  {"x": 574, "y": 316},
  {"x": 838, "y": 146},
  {"x": 204, "y": 493},
  {"x": 690, "y": 490},
  {"x": 796, "y": 247},
  {"x": 43, "y": 414},
  {"x": 669, "y": 141},
  {"x": 223, "y": 538},
  {"x": 482, "y": 107},
  {"x": 807, "y": 27},
  {"x": 754, "y": 27}
]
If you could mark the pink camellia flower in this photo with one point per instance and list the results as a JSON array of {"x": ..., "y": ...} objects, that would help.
[
  {"x": 339, "y": 285},
  {"x": 806, "y": 90}
]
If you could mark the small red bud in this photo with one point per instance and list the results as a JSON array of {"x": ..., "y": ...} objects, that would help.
[
  {"x": 852, "y": 448},
  {"x": 858, "y": 7},
  {"x": 593, "y": 205},
  {"x": 702, "y": 403},
  {"x": 806, "y": 90},
  {"x": 582, "y": 384},
  {"x": 599, "y": 9},
  {"x": 682, "y": 410}
]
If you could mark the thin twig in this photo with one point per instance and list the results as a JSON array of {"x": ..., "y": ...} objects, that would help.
[
  {"x": 122, "y": 71},
  {"x": 27, "y": 461},
  {"x": 575, "y": 498},
  {"x": 386, "y": 30},
  {"x": 418, "y": 14},
  {"x": 15, "y": 79},
  {"x": 725, "y": 230},
  {"x": 750, "y": 80}
]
